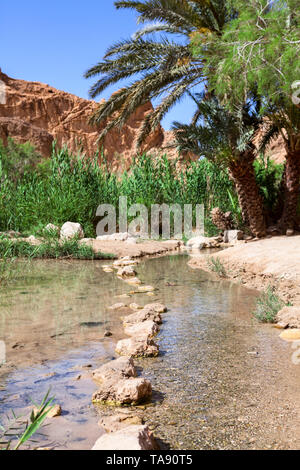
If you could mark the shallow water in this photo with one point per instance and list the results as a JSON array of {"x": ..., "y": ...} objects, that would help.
[{"x": 222, "y": 380}]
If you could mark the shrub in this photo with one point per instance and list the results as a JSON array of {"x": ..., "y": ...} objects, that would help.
[
  {"x": 267, "y": 306},
  {"x": 216, "y": 266}
]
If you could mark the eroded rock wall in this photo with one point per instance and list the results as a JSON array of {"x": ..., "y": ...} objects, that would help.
[{"x": 32, "y": 111}]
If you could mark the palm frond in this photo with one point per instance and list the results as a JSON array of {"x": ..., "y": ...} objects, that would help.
[{"x": 162, "y": 68}]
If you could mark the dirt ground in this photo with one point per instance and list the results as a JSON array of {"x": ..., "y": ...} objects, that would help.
[{"x": 257, "y": 264}]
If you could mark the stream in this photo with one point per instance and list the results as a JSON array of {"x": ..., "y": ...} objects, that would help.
[{"x": 222, "y": 381}]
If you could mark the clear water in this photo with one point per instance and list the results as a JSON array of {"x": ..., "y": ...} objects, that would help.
[{"x": 221, "y": 381}]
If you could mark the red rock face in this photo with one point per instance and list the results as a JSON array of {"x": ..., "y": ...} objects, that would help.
[{"x": 32, "y": 111}]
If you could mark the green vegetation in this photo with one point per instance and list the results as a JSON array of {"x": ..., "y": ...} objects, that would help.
[
  {"x": 255, "y": 59},
  {"x": 267, "y": 307},
  {"x": 73, "y": 187},
  {"x": 20, "y": 430},
  {"x": 8, "y": 269},
  {"x": 216, "y": 266},
  {"x": 239, "y": 62},
  {"x": 53, "y": 249}
]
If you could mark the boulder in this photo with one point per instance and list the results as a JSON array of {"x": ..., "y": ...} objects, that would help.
[
  {"x": 132, "y": 391},
  {"x": 120, "y": 368},
  {"x": 139, "y": 346},
  {"x": 142, "y": 316},
  {"x": 120, "y": 421},
  {"x": 118, "y": 306},
  {"x": 53, "y": 411},
  {"x": 71, "y": 230},
  {"x": 291, "y": 335},
  {"x": 127, "y": 261},
  {"x": 231, "y": 236},
  {"x": 52, "y": 228},
  {"x": 146, "y": 288},
  {"x": 108, "y": 270},
  {"x": 146, "y": 328},
  {"x": 289, "y": 317},
  {"x": 201, "y": 242},
  {"x": 130, "y": 438},
  {"x": 126, "y": 271},
  {"x": 134, "y": 306},
  {"x": 156, "y": 307}
]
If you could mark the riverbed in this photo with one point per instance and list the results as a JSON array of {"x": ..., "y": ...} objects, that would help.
[{"x": 222, "y": 381}]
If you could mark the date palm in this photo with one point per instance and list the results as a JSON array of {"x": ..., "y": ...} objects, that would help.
[
  {"x": 226, "y": 137},
  {"x": 285, "y": 116},
  {"x": 261, "y": 48},
  {"x": 163, "y": 68}
]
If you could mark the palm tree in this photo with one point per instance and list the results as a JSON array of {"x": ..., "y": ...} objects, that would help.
[
  {"x": 164, "y": 68},
  {"x": 285, "y": 119},
  {"x": 261, "y": 48},
  {"x": 227, "y": 137}
]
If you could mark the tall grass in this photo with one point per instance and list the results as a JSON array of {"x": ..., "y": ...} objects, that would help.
[
  {"x": 51, "y": 248},
  {"x": 20, "y": 430},
  {"x": 70, "y": 187}
]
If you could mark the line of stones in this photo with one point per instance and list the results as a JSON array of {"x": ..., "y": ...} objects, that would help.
[{"x": 117, "y": 380}]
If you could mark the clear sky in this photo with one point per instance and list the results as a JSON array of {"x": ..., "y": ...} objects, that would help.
[{"x": 56, "y": 41}]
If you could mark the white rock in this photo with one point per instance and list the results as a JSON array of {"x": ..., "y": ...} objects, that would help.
[
  {"x": 139, "y": 346},
  {"x": 134, "y": 306},
  {"x": 52, "y": 228},
  {"x": 126, "y": 271},
  {"x": 199, "y": 243},
  {"x": 231, "y": 236},
  {"x": 289, "y": 317},
  {"x": 156, "y": 307},
  {"x": 141, "y": 316},
  {"x": 130, "y": 391},
  {"x": 71, "y": 230},
  {"x": 131, "y": 438},
  {"x": 146, "y": 288},
  {"x": 120, "y": 368},
  {"x": 124, "y": 262},
  {"x": 147, "y": 328},
  {"x": 120, "y": 237},
  {"x": 118, "y": 306},
  {"x": 120, "y": 421}
]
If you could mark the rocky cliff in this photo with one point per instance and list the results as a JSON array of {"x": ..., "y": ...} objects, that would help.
[
  {"x": 32, "y": 111},
  {"x": 35, "y": 112}
]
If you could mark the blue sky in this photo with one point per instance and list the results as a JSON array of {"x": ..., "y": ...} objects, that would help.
[{"x": 55, "y": 42}]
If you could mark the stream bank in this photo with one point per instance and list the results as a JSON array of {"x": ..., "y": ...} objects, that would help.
[{"x": 259, "y": 263}]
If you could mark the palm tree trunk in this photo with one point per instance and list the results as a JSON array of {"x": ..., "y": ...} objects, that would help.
[
  {"x": 291, "y": 190},
  {"x": 243, "y": 175},
  {"x": 242, "y": 197}
]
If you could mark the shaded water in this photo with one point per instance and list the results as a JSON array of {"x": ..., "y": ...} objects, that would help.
[{"x": 222, "y": 380}]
